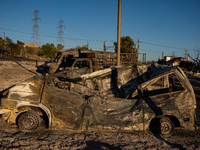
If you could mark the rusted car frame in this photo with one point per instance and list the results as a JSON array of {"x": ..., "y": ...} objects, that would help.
[
  {"x": 76, "y": 67},
  {"x": 99, "y": 60},
  {"x": 122, "y": 98}
]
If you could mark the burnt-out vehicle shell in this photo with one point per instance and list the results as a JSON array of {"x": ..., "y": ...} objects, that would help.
[
  {"x": 122, "y": 98},
  {"x": 60, "y": 60},
  {"x": 70, "y": 66}
]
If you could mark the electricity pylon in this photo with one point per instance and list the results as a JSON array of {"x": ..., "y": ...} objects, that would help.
[
  {"x": 35, "y": 38},
  {"x": 60, "y": 33}
]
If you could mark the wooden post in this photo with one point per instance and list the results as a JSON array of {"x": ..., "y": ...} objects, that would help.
[
  {"x": 104, "y": 46},
  {"x": 138, "y": 50},
  {"x": 119, "y": 31},
  {"x": 4, "y": 40}
]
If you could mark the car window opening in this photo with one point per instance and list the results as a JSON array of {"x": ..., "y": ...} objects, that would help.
[{"x": 164, "y": 85}]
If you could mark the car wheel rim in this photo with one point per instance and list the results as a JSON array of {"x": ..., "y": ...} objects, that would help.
[
  {"x": 164, "y": 128},
  {"x": 29, "y": 121}
]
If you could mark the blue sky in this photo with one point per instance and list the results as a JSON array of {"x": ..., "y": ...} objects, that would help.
[{"x": 169, "y": 26}]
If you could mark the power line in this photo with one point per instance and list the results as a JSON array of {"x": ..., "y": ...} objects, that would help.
[
  {"x": 149, "y": 50},
  {"x": 162, "y": 45},
  {"x": 79, "y": 31},
  {"x": 14, "y": 10},
  {"x": 14, "y": 25},
  {"x": 53, "y": 36},
  {"x": 15, "y": 31},
  {"x": 13, "y": 17},
  {"x": 99, "y": 41}
]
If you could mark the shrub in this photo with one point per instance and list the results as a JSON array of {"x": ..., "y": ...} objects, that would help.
[{"x": 49, "y": 50}]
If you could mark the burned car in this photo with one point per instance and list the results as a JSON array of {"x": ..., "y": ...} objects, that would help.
[
  {"x": 122, "y": 99},
  {"x": 71, "y": 60},
  {"x": 60, "y": 59},
  {"x": 68, "y": 64}
]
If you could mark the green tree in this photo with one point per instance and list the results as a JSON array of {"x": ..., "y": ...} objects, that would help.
[
  {"x": 49, "y": 50},
  {"x": 85, "y": 47},
  {"x": 60, "y": 46},
  {"x": 20, "y": 42},
  {"x": 127, "y": 45},
  {"x": 15, "y": 49},
  {"x": 12, "y": 47},
  {"x": 1, "y": 42},
  {"x": 8, "y": 40},
  {"x": 8, "y": 44}
]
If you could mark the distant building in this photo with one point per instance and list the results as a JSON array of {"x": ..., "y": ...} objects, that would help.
[
  {"x": 173, "y": 62},
  {"x": 31, "y": 45},
  {"x": 167, "y": 58},
  {"x": 176, "y": 61}
]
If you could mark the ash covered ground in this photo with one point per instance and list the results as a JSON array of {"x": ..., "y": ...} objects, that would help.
[{"x": 12, "y": 73}]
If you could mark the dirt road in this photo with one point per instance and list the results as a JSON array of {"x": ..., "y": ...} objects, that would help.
[{"x": 12, "y": 73}]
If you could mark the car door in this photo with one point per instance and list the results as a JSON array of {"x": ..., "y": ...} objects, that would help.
[
  {"x": 66, "y": 107},
  {"x": 115, "y": 114},
  {"x": 161, "y": 94}
]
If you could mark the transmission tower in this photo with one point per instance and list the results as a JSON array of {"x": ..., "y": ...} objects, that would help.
[
  {"x": 60, "y": 33},
  {"x": 35, "y": 38}
]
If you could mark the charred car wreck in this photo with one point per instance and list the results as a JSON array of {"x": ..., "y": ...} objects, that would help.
[{"x": 122, "y": 98}]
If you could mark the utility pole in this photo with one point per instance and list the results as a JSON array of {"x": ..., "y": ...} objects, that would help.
[
  {"x": 119, "y": 31},
  {"x": 88, "y": 45},
  {"x": 138, "y": 50},
  {"x": 186, "y": 53},
  {"x": 104, "y": 46},
  {"x": 60, "y": 33},
  {"x": 162, "y": 55},
  {"x": 4, "y": 40},
  {"x": 35, "y": 39}
]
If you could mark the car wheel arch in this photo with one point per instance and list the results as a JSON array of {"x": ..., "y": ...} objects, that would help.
[
  {"x": 41, "y": 110},
  {"x": 170, "y": 118},
  {"x": 28, "y": 121}
]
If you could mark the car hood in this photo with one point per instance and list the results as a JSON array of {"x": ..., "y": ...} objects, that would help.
[{"x": 29, "y": 90}]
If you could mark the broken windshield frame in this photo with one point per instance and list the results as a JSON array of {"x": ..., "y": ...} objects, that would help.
[{"x": 57, "y": 57}]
